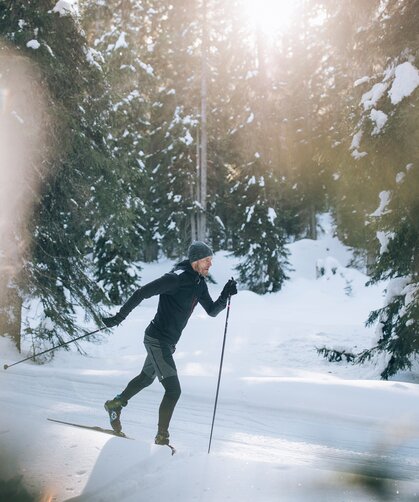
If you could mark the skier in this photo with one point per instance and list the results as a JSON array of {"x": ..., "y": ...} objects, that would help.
[{"x": 180, "y": 290}]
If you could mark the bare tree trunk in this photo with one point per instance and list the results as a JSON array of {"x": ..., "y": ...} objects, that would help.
[
  {"x": 202, "y": 217},
  {"x": 312, "y": 223},
  {"x": 195, "y": 190},
  {"x": 11, "y": 314}
]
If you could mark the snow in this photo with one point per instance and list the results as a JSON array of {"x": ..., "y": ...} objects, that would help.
[
  {"x": 289, "y": 426},
  {"x": 379, "y": 118},
  {"x": 147, "y": 68},
  {"x": 370, "y": 98},
  {"x": 33, "y": 44},
  {"x": 385, "y": 197},
  {"x": 384, "y": 239},
  {"x": 187, "y": 139},
  {"x": 405, "y": 79},
  {"x": 405, "y": 82},
  {"x": 358, "y": 155},
  {"x": 220, "y": 222},
  {"x": 121, "y": 42},
  {"x": 361, "y": 81},
  {"x": 356, "y": 141},
  {"x": 395, "y": 288},
  {"x": 411, "y": 292},
  {"x": 272, "y": 215},
  {"x": 249, "y": 211},
  {"x": 66, "y": 7}
]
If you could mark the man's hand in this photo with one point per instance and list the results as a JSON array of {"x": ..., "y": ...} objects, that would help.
[
  {"x": 229, "y": 289},
  {"x": 110, "y": 322}
]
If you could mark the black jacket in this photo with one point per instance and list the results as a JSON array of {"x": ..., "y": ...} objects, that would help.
[{"x": 180, "y": 290}]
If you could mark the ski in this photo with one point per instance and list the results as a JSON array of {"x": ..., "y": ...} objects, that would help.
[{"x": 95, "y": 428}]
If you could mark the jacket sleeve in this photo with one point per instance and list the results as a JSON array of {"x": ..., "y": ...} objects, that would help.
[
  {"x": 212, "y": 308},
  {"x": 164, "y": 284}
]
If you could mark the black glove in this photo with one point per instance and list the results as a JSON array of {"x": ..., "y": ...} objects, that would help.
[
  {"x": 229, "y": 289},
  {"x": 110, "y": 322}
]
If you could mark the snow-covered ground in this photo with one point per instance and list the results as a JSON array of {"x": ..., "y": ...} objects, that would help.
[{"x": 289, "y": 426}]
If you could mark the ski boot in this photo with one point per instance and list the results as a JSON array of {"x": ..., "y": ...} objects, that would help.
[
  {"x": 162, "y": 437},
  {"x": 114, "y": 408}
]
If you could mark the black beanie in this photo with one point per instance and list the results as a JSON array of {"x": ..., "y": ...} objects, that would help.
[{"x": 198, "y": 250}]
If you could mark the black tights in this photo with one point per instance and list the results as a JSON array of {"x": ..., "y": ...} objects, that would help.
[
  {"x": 138, "y": 383},
  {"x": 171, "y": 396}
]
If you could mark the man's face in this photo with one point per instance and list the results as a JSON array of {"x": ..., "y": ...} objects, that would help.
[{"x": 202, "y": 266}]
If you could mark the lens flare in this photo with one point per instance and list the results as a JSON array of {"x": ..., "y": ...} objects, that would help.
[
  {"x": 270, "y": 16},
  {"x": 22, "y": 134}
]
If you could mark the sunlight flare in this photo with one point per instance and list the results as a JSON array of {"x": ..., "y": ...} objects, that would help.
[{"x": 270, "y": 16}]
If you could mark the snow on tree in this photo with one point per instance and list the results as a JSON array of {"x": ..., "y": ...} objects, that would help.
[{"x": 387, "y": 116}]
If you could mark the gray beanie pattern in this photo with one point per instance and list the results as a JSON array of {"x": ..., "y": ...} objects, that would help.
[{"x": 198, "y": 250}]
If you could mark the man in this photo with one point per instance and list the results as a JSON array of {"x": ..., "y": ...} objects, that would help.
[{"x": 180, "y": 291}]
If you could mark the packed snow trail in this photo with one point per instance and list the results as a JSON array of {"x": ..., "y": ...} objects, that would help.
[
  {"x": 77, "y": 462},
  {"x": 290, "y": 427}
]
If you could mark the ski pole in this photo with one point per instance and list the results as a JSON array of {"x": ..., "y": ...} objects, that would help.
[
  {"x": 6, "y": 366},
  {"x": 219, "y": 372}
]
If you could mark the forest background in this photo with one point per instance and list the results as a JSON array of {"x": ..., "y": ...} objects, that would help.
[{"x": 129, "y": 128}]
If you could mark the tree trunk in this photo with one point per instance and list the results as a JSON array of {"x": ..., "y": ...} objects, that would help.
[
  {"x": 11, "y": 314},
  {"x": 202, "y": 216},
  {"x": 312, "y": 223}
]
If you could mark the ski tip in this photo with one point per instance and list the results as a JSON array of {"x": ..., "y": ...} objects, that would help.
[{"x": 172, "y": 448}]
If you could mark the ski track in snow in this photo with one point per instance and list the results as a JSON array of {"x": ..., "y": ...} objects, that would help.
[
  {"x": 246, "y": 433},
  {"x": 290, "y": 427}
]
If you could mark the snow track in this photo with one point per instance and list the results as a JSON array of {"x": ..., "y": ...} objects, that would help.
[
  {"x": 82, "y": 463},
  {"x": 289, "y": 427}
]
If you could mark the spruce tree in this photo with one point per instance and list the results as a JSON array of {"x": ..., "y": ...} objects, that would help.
[
  {"x": 253, "y": 159},
  {"x": 173, "y": 155},
  {"x": 78, "y": 182},
  {"x": 383, "y": 150}
]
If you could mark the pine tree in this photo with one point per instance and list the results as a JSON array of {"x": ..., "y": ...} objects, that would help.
[
  {"x": 114, "y": 31},
  {"x": 250, "y": 116},
  {"x": 170, "y": 132},
  {"x": 73, "y": 167},
  {"x": 384, "y": 150}
]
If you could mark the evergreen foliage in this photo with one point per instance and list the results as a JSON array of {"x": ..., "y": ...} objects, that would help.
[
  {"x": 78, "y": 193},
  {"x": 305, "y": 122},
  {"x": 379, "y": 169}
]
